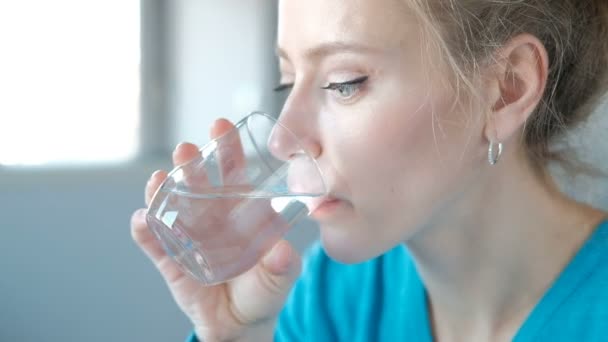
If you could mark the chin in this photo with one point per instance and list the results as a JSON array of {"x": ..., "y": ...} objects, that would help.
[
  {"x": 353, "y": 243},
  {"x": 344, "y": 247}
]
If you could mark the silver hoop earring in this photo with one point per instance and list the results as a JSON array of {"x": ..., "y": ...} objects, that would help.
[{"x": 493, "y": 158}]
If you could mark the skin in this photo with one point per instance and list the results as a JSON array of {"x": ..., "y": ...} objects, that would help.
[{"x": 410, "y": 168}]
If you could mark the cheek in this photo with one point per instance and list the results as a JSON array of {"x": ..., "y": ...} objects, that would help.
[
  {"x": 383, "y": 161},
  {"x": 402, "y": 151},
  {"x": 378, "y": 150},
  {"x": 400, "y": 167},
  {"x": 398, "y": 161}
]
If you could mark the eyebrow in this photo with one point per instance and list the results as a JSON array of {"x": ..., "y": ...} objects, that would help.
[{"x": 327, "y": 49}]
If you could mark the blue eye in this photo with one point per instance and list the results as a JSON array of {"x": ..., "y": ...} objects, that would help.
[{"x": 347, "y": 89}]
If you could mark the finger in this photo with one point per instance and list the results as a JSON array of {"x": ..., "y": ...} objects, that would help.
[
  {"x": 281, "y": 259},
  {"x": 188, "y": 156},
  {"x": 144, "y": 237},
  {"x": 242, "y": 242},
  {"x": 152, "y": 247},
  {"x": 220, "y": 127},
  {"x": 157, "y": 178},
  {"x": 230, "y": 152},
  {"x": 184, "y": 153}
]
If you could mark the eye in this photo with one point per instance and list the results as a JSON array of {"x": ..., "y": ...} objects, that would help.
[
  {"x": 282, "y": 87},
  {"x": 283, "y": 91},
  {"x": 348, "y": 89}
]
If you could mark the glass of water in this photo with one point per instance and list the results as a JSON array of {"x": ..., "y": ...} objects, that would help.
[{"x": 218, "y": 214}]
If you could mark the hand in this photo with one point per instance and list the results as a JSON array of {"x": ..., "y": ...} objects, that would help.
[{"x": 239, "y": 308}]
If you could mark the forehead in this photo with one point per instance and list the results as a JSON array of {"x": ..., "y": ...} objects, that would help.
[{"x": 375, "y": 23}]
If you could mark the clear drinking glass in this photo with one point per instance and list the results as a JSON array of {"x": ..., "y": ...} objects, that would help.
[{"x": 218, "y": 214}]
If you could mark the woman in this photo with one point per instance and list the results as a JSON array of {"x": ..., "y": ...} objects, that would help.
[{"x": 432, "y": 121}]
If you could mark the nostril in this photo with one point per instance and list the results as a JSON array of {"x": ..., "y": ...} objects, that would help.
[
  {"x": 297, "y": 154},
  {"x": 315, "y": 150}
]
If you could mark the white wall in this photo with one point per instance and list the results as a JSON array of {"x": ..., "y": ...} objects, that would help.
[
  {"x": 70, "y": 271},
  {"x": 221, "y": 67}
]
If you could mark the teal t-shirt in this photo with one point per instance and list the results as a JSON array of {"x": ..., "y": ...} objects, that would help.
[{"x": 385, "y": 300}]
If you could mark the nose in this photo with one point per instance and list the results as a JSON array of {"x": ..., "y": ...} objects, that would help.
[{"x": 295, "y": 133}]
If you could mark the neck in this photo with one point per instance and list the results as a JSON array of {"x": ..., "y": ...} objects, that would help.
[{"x": 492, "y": 253}]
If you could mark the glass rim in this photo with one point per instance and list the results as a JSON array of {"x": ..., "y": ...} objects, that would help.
[
  {"x": 241, "y": 122},
  {"x": 244, "y": 121}
]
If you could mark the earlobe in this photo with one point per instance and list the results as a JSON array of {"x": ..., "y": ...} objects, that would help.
[{"x": 519, "y": 83}]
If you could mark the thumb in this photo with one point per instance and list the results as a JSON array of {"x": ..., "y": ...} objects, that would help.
[
  {"x": 262, "y": 294},
  {"x": 279, "y": 261}
]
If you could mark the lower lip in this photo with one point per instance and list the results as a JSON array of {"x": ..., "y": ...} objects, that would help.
[{"x": 326, "y": 209}]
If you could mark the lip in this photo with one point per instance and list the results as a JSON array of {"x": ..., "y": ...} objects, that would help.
[
  {"x": 320, "y": 208},
  {"x": 314, "y": 203}
]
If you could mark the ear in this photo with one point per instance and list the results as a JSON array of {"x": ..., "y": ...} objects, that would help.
[{"x": 517, "y": 83}]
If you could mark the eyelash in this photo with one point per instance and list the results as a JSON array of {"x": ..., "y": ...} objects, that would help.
[
  {"x": 283, "y": 87},
  {"x": 354, "y": 85}
]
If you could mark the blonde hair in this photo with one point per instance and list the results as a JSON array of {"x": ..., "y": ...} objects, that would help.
[{"x": 574, "y": 33}]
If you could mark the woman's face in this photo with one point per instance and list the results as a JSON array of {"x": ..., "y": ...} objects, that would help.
[{"x": 390, "y": 144}]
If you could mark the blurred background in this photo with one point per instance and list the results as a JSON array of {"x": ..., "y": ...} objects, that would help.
[{"x": 94, "y": 95}]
